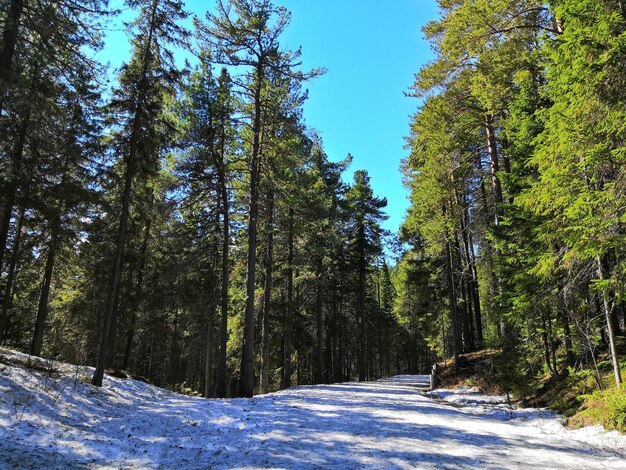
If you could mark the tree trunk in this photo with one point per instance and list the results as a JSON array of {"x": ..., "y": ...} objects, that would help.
[
  {"x": 328, "y": 351},
  {"x": 7, "y": 302},
  {"x": 174, "y": 361},
  {"x": 286, "y": 373},
  {"x": 11, "y": 188},
  {"x": 380, "y": 350},
  {"x": 494, "y": 166},
  {"x": 609, "y": 325},
  {"x": 208, "y": 360},
  {"x": 319, "y": 323},
  {"x": 378, "y": 323},
  {"x": 563, "y": 319},
  {"x": 341, "y": 342},
  {"x": 9, "y": 39},
  {"x": 44, "y": 295},
  {"x": 209, "y": 375},
  {"x": 552, "y": 348},
  {"x": 247, "y": 355},
  {"x": 473, "y": 275},
  {"x": 466, "y": 319},
  {"x": 454, "y": 316},
  {"x": 468, "y": 327},
  {"x": 220, "y": 385},
  {"x": 546, "y": 344},
  {"x": 568, "y": 340},
  {"x": 267, "y": 296},
  {"x": 361, "y": 315},
  {"x": 110, "y": 316}
]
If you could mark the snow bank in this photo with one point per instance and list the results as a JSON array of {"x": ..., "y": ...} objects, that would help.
[
  {"x": 51, "y": 417},
  {"x": 466, "y": 396},
  {"x": 472, "y": 400}
]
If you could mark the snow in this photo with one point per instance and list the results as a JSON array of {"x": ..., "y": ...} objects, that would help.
[
  {"x": 57, "y": 420},
  {"x": 497, "y": 406}
]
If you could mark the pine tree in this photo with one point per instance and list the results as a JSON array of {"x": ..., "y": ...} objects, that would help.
[
  {"x": 209, "y": 141},
  {"x": 48, "y": 98},
  {"x": 365, "y": 234},
  {"x": 245, "y": 34},
  {"x": 137, "y": 104}
]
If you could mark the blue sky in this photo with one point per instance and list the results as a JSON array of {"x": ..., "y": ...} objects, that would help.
[{"x": 371, "y": 50}]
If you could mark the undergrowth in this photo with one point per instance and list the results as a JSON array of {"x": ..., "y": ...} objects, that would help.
[
  {"x": 586, "y": 397},
  {"x": 605, "y": 407}
]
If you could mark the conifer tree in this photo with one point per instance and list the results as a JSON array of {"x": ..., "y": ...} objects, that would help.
[
  {"x": 366, "y": 238},
  {"x": 245, "y": 34},
  {"x": 138, "y": 109}
]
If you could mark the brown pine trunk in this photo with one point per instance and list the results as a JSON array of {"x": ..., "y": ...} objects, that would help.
[
  {"x": 476, "y": 296},
  {"x": 341, "y": 347},
  {"x": 327, "y": 371},
  {"x": 209, "y": 366},
  {"x": 360, "y": 305},
  {"x": 378, "y": 324},
  {"x": 286, "y": 373},
  {"x": 334, "y": 334},
  {"x": 454, "y": 316},
  {"x": 208, "y": 359},
  {"x": 380, "y": 350},
  {"x": 44, "y": 295},
  {"x": 267, "y": 296},
  {"x": 174, "y": 361},
  {"x": 468, "y": 327},
  {"x": 247, "y": 354},
  {"x": 319, "y": 324}
]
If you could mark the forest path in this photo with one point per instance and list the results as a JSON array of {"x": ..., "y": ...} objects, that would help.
[{"x": 61, "y": 422}]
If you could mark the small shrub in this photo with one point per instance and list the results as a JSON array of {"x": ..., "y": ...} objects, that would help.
[
  {"x": 605, "y": 365},
  {"x": 605, "y": 407},
  {"x": 183, "y": 389}
]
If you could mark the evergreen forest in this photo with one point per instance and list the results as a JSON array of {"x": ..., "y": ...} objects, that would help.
[{"x": 179, "y": 221}]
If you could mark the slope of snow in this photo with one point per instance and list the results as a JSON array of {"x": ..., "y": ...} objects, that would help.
[
  {"x": 473, "y": 401},
  {"x": 57, "y": 420}
]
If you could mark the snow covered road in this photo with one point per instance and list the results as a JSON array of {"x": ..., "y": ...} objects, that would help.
[{"x": 65, "y": 423}]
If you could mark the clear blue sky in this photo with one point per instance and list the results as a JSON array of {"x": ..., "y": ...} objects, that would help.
[{"x": 372, "y": 50}]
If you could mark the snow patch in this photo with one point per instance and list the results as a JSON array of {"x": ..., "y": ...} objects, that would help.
[{"x": 61, "y": 421}]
